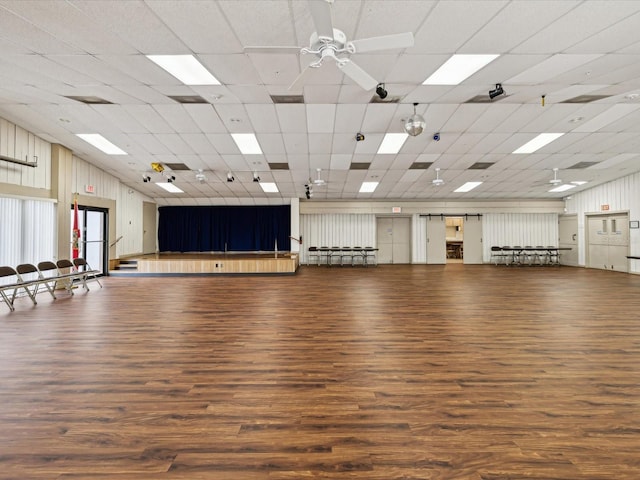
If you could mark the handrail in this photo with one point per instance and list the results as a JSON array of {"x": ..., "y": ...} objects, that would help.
[{"x": 116, "y": 241}]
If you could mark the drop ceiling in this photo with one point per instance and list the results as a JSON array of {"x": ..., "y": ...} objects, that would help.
[{"x": 583, "y": 57}]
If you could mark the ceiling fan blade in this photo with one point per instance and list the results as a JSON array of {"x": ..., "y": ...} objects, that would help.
[
  {"x": 357, "y": 74},
  {"x": 386, "y": 42},
  {"x": 321, "y": 14},
  {"x": 274, "y": 49},
  {"x": 299, "y": 82}
]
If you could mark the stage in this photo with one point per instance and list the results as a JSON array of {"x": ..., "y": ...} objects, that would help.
[{"x": 215, "y": 264}]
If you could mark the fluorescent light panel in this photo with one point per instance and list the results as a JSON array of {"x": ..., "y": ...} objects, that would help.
[
  {"x": 467, "y": 187},
  {"x": 101, "y": 143},
  {"x": 269, "y": 187},
  {"x": 579, "y": 182},
  {"x": 247, "y": 143},
  {"x": 185, "y": 68},
  {"x": 392, "y": 143},
  {"x": 169, "y": 187},
  {"x": 459, "y": 67},
  {"x": 538, "y": 142},
  {"x": 368, "y": 187},
  {"x": 562, "y": 188}
]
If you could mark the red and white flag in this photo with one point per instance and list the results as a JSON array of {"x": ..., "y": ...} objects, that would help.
[{"x": 75, "y": 245}]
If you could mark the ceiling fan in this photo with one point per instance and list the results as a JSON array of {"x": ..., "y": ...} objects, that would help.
[
  {"x": 437, "y": 181},
  {"x": 555, "y": 180},
  {"x": 328, "y": 42},
  {"x": 319, "y": 182}
]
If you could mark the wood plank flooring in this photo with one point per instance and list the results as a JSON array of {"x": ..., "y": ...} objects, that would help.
[{"x": 394, "y": 372}]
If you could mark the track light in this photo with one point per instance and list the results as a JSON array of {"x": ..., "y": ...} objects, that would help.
[
  {"x": 382, "y": 93},
  {"x": 170, "y": 178},
  {"x": 230, "y": 177},
  {"x": 309, "y": 191},
  {"x": 256, "y": 178},
  {"x": 146, "y": 178},
  {"x": 415, "y": 123},
  {"x": 496, "y": 91}
]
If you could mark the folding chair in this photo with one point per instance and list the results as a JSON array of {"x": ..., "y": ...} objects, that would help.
[
  {"x": 89, "y": 273},
  {"x": 49, "y": 274}
]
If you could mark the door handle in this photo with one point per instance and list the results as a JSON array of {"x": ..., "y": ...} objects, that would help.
[{"x": 573, "y": 237}]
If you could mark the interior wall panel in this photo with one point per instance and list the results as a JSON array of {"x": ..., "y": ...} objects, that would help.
[
  {"x": 621, "y": 195},
  {"x": 340, "y": 230},
  {"x": 519, "y": 229}
]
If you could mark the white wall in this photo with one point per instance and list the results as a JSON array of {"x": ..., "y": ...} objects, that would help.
[
  {"x": 622, "y": 195},
  {"x": 521, "y": 229},
  {"x": 129, "y": 217},
  {"x": 16, "y": 142}
]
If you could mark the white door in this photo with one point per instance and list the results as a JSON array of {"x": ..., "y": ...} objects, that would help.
[
  {"x": 608, "y": 241},
  {"x": 436, "y": 240},
  {"x": 149, "y": 230},
  {"x": 394, "y": 239},
  {"x": 568, "y": 233},
  {"x": 472, "y": 240}
]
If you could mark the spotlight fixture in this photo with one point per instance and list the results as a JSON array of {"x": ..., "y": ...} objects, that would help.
[
  {"x": 256, "y": 178},
  {"x": 230, "y": 177},
  {"x": 496, "y": 91},
  {"x": 381, "y": 92},
  {"x": 437, "y": 181},
  {"x": 415, "y": 123},
  {"x": 170, "y": 178},
  {"x": 146, "y": 178},
  {"x": 308, "y": 190}
]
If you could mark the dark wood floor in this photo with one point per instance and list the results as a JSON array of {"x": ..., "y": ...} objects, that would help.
[{"x": 394, "y": 372}]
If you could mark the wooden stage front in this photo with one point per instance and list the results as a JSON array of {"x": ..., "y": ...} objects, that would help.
[{"x": 230, "y": 263}]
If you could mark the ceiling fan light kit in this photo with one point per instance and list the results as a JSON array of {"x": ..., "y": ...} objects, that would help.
[{"x": 329, "y": 42}]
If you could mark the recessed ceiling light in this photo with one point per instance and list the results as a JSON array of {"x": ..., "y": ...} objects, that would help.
[
  {"x": 368, "y": 187},
  {"x": 392, "y": 143},
  {"x": 269, "y": 187},
  {"x": 185, "y": 68},
  {"x": 101, "y": 143},
  {"x": 562, "y": 188},
  {"x": 458, "y": 68},
  {"x": 169, "y": 187},
  {"x": 576, "y": 119},
  {"x": 247, "y": 143},
  {"x": 467, "y": 187},
  {"x": 538, "y": 142}
]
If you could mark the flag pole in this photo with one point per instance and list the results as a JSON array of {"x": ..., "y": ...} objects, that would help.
[{"x": 75, "y": 245}]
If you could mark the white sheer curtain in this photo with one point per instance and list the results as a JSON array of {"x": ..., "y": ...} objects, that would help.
[{"x": 27, "y": 231}]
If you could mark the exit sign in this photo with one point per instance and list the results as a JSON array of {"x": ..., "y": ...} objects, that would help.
[
  {"x": 604, "y": 207},
  {"x": 90, "y": 189},
  {"x": 396, "y": 209}
]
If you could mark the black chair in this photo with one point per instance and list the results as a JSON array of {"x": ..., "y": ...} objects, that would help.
[{"x": 313, "y": 253}]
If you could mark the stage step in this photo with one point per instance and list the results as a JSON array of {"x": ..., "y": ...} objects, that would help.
[{"x": 126, "y": 266}]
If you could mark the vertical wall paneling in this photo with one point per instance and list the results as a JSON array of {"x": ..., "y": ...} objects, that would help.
[
  {"x": 520, "y": 229},
  {"x": 342, "y": 230},
  {"x": 18, "y": 143},
  {"x": 11, "y": 212},
  {"x": 419, "y": 239}
]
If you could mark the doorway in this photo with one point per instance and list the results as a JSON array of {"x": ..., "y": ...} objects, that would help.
[
  {"x": 394, "y": 239},
  {"x": 608, "y": 241},
  {"x": 568, "y": 234},
  {"x": 454, "y": 236},
  {"x": 94, "y": 232},
  {"x": 149, "y": 229}
]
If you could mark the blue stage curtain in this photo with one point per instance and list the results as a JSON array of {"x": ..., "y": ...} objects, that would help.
[{"x": 220, "y": 229}]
